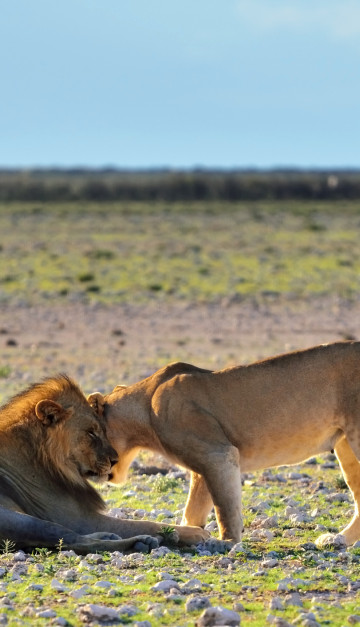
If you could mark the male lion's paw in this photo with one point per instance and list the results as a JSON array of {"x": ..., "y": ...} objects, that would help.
[
  {"x": 145, "y": 544},
  {"x": 103, "y": 535},
  {"x": 192, "y": 535},
  {"x": 331, "y": 540}
]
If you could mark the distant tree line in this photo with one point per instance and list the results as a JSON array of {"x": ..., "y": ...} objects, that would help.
[{"x": 171, "y": 186}]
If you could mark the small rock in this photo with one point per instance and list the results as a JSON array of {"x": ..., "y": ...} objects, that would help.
[
  {"x": 299, "y": 518},
  {"x": 353, "y": 619},
  {"x": 164, "y": 586},
  {"x": 237, "y": 548},
  {"x": 276, "y": 604},
  {"x": 102, "y": 613},
  {"x": 80, "y": 592},
  {"x": 69, "y": 553},
  {"x": 160, "y": 552},
  {"x": 59, "y": 587},
  {"x": 38, "y": 587},
  {"x": 277, "y": 621},
  {"x": 265, "y": 522},
  {"x": 70, "y": 575},
  {"x": 192, "y": 585},
  {"x": 127, "y": 610},
  {"x": 289, "y": 533},
  {"x": 197, "y": 603},
  {"x": 156, "y": 609},
  {"x": 19, "y": 556},
  {"x": 103, "y": 584},
  {"x": 336, "y": 541},
  {"x": 39, "y": 567},
  {"x": 293, "y": 599},
  {"x": 261, "y": 534},
  {"x": 218, "y": 616},
  {"x": 166, "y": 576},
  {"x": 269, "y": 563},
  {"x": 46, "y": 614}
]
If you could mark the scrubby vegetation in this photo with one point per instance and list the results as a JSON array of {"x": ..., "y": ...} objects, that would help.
[{"x": 176, "y": 185}]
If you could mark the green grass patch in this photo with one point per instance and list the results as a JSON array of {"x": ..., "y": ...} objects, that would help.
[{"x": 197, "y": 251}]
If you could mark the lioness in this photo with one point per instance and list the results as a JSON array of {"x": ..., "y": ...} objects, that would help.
[
  {"x": 51, "y": 443},
  {"x": 270, "y": 413}
]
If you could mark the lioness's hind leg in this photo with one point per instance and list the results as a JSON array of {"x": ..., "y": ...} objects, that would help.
[
  {"x": 199, "y": 502},
  {"x": 350, "y": 467}
]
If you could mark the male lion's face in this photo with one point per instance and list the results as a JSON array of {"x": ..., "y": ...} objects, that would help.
[{"x": 76, "y": 440}]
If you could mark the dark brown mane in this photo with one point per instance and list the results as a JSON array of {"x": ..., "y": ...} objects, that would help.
[
  {"x": 49, "y": 387},
  {"x": 19, "y": 413}
]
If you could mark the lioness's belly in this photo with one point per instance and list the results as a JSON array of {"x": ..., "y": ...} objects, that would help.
[{"x": 279, "y": 452}]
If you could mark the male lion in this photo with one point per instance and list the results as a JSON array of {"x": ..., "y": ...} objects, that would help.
[
  {"x": 51, "y": 443},
  {"x": 218, "y": 424}
]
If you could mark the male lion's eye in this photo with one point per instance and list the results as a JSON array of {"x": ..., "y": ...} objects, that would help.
[{"x": 92, "y": 435}]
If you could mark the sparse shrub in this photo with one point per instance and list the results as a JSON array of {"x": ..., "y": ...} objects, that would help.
[
  {"x": 163, "y": 484},
  {"x": 93, "y": 288},
  {"x": 4, "y": 371},
  {"x": 85, "y": 277}
]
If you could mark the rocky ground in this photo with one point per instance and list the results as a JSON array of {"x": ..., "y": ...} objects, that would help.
[{"x": 101, "y": 346}]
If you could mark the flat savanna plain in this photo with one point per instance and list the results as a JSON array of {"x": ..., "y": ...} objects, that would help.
[{"x": 108, "y": 293}]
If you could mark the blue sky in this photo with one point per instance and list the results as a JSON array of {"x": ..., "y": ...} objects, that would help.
[{"x": 153, "y": 83}]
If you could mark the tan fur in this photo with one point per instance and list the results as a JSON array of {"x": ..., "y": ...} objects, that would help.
[
  {"x": 51, "y": 443},
  {"x": 218, "y": 424}
]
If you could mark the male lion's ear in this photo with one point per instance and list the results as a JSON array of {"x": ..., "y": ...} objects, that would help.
[
  {"x": 50, "y": 412},
  {"x": 97, "y": 402}
]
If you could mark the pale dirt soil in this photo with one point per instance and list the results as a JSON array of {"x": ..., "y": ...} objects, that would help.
[{"x": 102, "y": 346}]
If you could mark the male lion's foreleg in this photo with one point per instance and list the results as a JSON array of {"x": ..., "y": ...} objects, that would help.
[
  {"x": 223, "y": 478},
  {"x": 350, "y": 467},
  {"x": 199, "y": 502},
  {"x": 184, "y": 535}
]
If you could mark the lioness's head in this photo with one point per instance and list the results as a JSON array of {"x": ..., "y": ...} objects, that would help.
[{"x": 58, "y": 426}]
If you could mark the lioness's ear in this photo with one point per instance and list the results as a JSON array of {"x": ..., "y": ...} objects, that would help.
[
  {"x": 119, "y": 387},
  {"x": 97, "y": 402},
  {"x": 50, "y": 412}
]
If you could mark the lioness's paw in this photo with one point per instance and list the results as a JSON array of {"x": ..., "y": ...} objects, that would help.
[
  {"x": 145, "y": 544},
  {"x": 331, "y": 540}
]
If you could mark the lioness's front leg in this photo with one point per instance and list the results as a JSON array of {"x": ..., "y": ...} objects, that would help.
[
  {"x": 199, "y": 502},
  {"x": 223, "y": 478},
  {"x": 350, "y": 467}
]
